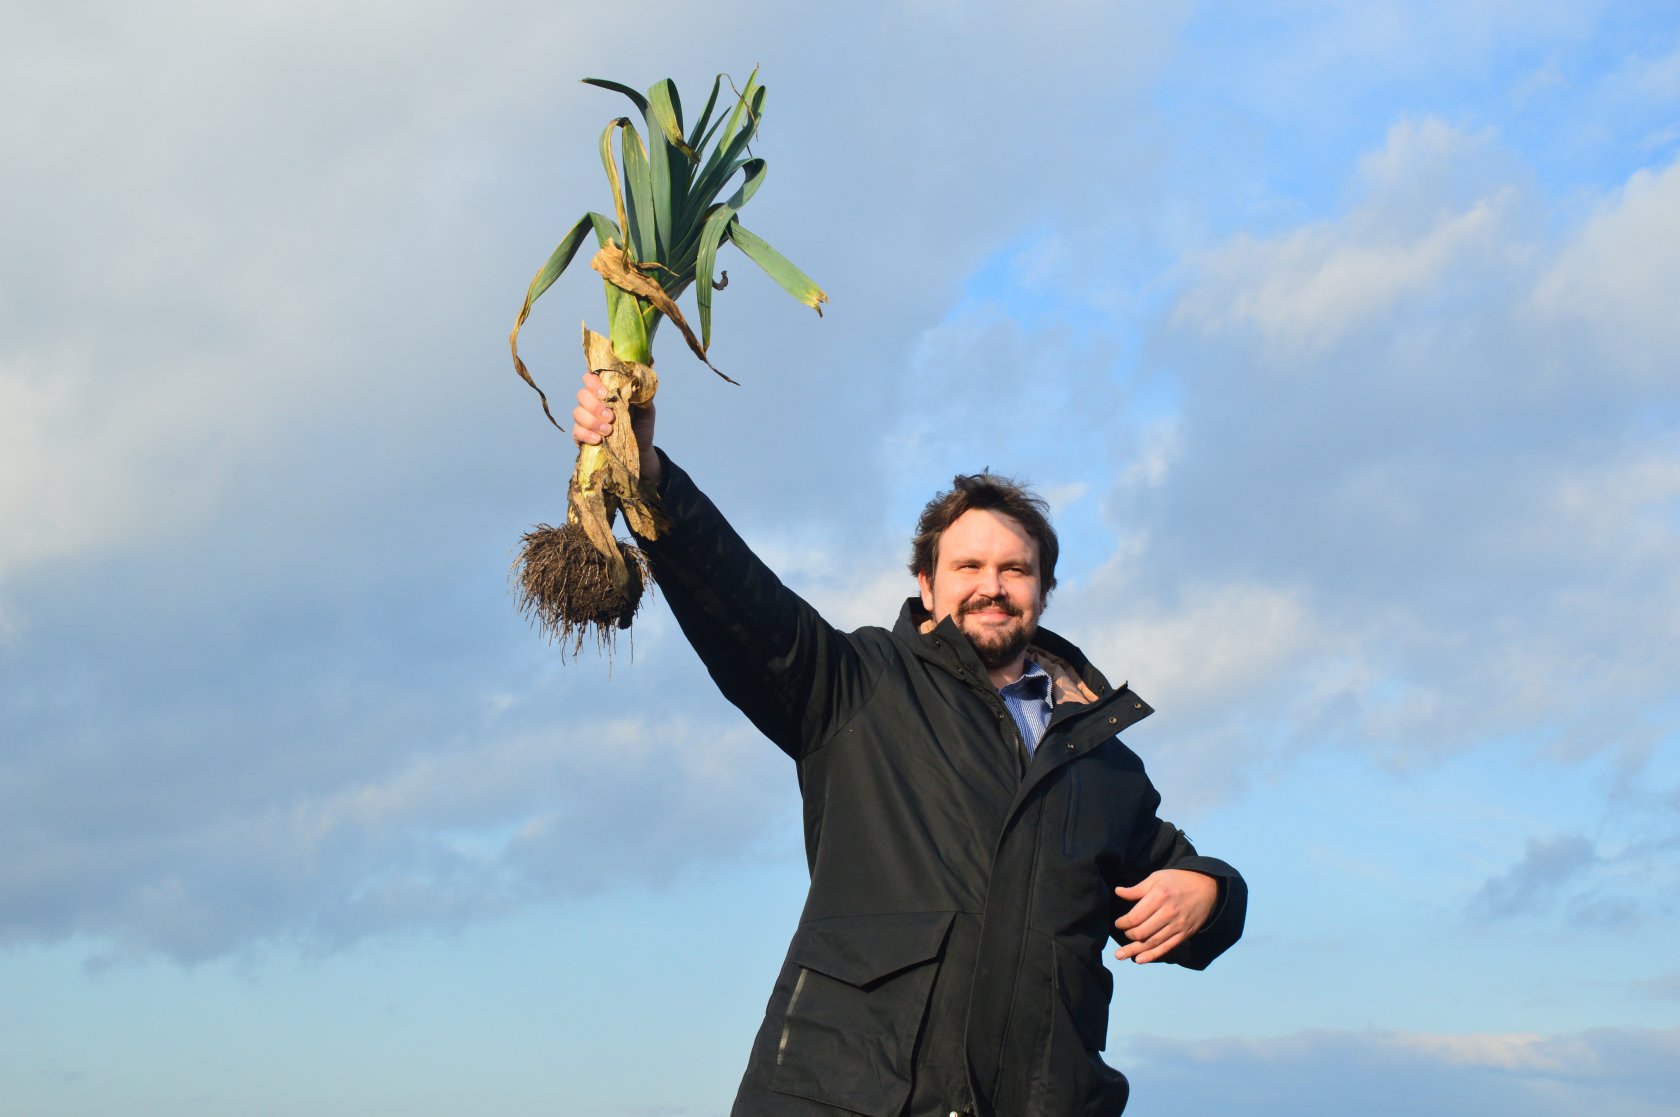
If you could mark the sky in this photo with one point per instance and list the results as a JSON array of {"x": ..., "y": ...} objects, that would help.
[{"x": 1335, "y": 333}]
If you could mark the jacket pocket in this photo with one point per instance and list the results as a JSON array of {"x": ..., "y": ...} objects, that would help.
[
  {"x": 1071, "y": 1079},
  {"x": 849, "y": 1033},
  {"x": 1085, "y": 990}
]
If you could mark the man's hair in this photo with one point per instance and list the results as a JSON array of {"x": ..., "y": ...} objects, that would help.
[{"x": 988, "y": 492}]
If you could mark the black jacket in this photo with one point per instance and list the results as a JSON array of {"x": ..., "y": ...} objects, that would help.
[{"x": 949, "y": 957}]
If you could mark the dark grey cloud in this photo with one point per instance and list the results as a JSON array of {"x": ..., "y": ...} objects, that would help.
[
  {"x": 347, "y": 734},
  {"x": 335, "y": 808},
  {"x": 1549, "y": 867}
]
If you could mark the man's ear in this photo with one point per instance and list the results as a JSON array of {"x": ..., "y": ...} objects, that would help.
[{"x": 925, "y": 584}]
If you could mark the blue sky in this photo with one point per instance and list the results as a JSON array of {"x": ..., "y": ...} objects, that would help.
[{"x": 1340, "y": 336}]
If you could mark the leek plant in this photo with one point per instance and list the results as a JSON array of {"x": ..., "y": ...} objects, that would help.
[{"x": 578, "y": 579}]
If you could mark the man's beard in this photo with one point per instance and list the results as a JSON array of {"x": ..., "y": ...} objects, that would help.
[{"x": 997, "y": 646}]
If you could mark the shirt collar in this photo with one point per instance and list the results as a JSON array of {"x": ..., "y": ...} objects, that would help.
[{"x": 1034, "y": 683}]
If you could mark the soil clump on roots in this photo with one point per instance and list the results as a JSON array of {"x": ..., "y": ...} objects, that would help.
[{"x": 566, "y": 587}]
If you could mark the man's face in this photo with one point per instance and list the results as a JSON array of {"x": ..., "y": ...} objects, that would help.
[{"x": 986, "y": 577}]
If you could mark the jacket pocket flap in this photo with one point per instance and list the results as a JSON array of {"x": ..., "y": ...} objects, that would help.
[{"x": 862, "y": 949}]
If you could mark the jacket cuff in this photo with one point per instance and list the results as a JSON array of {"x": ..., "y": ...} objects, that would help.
[
  {"x": 1225, "y": 926},
  {"x": 677, "y": 494}
]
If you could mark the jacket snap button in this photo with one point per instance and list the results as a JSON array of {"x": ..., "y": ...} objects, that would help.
[
  {"x": 1070, "y": 744},
  {"x": 1114, "y": 721}
]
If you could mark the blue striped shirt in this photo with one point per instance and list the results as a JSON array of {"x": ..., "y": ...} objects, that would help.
[{"x": 1028, "y": 701}]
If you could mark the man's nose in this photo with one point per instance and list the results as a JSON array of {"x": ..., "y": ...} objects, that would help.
[{"x": 991, "y": 584}]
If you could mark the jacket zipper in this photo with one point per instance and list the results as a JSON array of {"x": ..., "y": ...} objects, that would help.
[
  {"x": 787, "y": 1019},
  {"x": 1072, "y": 822},
  {"x": 1020, "y": 958}
]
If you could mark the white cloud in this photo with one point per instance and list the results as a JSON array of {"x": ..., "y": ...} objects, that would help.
[
  {"x": 1305, "y": 291},
  {"x": 233, "y": 244},
  {"x": 83, "y": 467},
  {"x": 1655, "y": 77},
  {"x": 1425, "y": 510},
  {"x": 1616, "y": 278},
  {"x": 1618, "y": 1072},
  {"x": 851, "y": 582},
  {"x": 1218, "y": 645}
]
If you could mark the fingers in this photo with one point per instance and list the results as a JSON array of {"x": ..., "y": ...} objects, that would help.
[
  {"x": 1168, "y": 906},
  {"x": 592, "y": 419},
  {"x": 1150, "y": 951},
  {"x": 1146, "y": 901},
  {"x": 1153, "y": 934},
  {"x": 1159, "y": 923},
  {"x": 1155, "y": 924},
  {"x": 1141, "y": 912}
]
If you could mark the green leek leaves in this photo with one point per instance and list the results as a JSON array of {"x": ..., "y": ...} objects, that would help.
[{"x": 669, "y": 223}]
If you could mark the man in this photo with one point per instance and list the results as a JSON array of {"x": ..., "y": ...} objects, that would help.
[{"x": 975, "y": 830}]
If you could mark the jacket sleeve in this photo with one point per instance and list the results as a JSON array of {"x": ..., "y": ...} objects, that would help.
[
  {"x": 771, "y": 654},
  {"x": 1161, "y": 845}
]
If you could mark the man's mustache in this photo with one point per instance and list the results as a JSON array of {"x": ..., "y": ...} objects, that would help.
[{"x": 975, "y": 604}]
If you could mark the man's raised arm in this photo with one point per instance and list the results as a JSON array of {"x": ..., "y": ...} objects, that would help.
[{"x": 771, "y": 654}]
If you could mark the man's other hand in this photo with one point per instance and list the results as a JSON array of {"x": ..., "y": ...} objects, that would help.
[{"x": 1168, "y": 907}]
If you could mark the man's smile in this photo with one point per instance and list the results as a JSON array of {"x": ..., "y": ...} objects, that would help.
[{"x": 988, "y": 608}]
